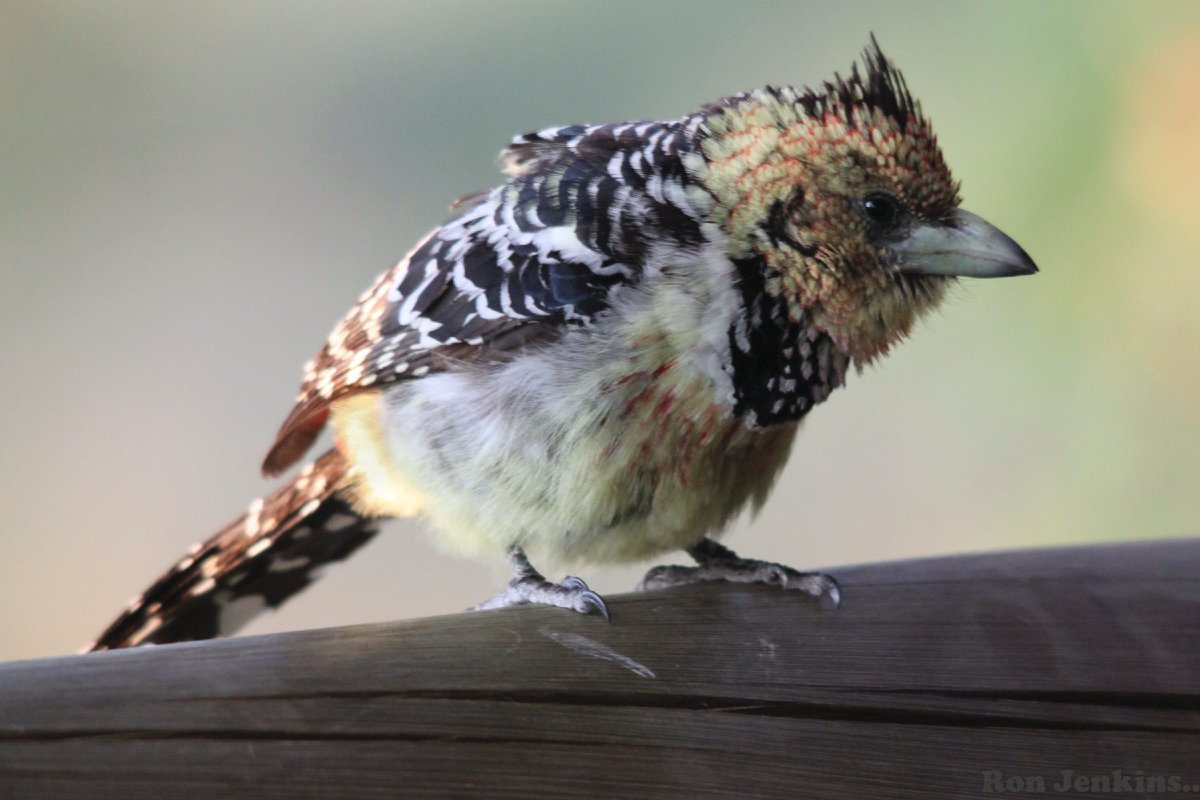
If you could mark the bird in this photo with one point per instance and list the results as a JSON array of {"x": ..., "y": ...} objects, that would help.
[{"x": 607, "y": 357}]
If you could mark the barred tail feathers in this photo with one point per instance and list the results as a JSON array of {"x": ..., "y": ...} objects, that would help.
[{"x": 259, "y": 561}]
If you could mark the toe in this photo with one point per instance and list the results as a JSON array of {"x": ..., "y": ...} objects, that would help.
[
  {"x": 574, "y": 584},
  {"x": 817, "y": 584},
  {"x": 588, "y": 600}
]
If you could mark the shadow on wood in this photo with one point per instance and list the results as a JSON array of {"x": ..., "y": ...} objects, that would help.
[{"x": 936, "y": 678}]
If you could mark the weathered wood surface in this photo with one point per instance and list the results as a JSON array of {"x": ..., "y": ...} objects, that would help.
[{"x": 934, "y": 679}]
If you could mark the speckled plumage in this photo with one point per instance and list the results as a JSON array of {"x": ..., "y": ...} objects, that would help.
[{"x": 606, "y": 357}]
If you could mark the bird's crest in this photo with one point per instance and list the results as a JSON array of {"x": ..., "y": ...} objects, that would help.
[
  {"x": 874, "y": 84},
  {"x": 878, "y": 85}
]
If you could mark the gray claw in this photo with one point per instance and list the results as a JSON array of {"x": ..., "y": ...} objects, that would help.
[
  {"x": 590, "y": 599},
  {"x": 585, "y": 598},
  {"x": 817, "y": 584}
]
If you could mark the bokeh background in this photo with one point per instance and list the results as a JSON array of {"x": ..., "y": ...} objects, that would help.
[{"x": 191, "y": 194}]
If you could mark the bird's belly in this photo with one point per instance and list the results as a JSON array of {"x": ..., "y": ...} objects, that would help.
[{"x": 606, "y": 462}]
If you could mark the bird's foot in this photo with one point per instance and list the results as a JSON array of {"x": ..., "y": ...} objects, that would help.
[
  {"x": 529, "y": 587},
  {"x": 572, "y": 593},
  {"x": 715, "y": 562}
]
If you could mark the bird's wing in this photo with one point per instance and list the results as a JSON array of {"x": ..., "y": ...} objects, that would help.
[{"x": 518, "y": 264}]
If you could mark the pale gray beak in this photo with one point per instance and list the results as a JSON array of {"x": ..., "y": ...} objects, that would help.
[{"x": 965, "y": 245}]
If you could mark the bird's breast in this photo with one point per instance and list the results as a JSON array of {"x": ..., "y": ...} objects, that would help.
[{"x": 579, "y": 452}]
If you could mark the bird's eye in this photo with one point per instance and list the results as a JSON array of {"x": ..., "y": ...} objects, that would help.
[{"x": 882, "y": 211}]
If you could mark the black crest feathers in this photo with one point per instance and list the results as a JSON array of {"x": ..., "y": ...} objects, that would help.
[{"x": 877, "y": 85}]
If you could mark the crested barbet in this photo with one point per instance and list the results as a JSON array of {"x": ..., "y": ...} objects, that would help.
[{"x": 607, "y": 357}]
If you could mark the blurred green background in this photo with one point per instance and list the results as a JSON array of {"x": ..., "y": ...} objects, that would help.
[{"x": 191, "y": 194}]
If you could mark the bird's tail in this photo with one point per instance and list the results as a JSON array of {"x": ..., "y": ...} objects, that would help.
[{"x": 256, "y": 562}]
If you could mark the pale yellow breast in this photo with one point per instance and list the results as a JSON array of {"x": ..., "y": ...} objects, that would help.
[{"x": 376, "y": 487}]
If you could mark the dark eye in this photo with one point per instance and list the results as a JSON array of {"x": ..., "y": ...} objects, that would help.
[{"x": 882, "y": 211}]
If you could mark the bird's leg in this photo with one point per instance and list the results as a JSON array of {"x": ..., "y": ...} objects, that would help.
[
  {"x": 716, "y": 562},
  {"x": 528, "y": 586}
]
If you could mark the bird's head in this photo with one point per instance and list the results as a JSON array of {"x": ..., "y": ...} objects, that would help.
[{"x": 843, "y": 197}]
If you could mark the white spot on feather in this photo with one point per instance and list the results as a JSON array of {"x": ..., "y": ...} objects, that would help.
[
  {"x": 250, "y": 527},
  {"x": 288, "y": 564},
  {"x": 149, "y": 627},
  {"x": 339, "y": 522},
  {"x": 261, "y": 546},
  {"x": 203, "y": 587}
]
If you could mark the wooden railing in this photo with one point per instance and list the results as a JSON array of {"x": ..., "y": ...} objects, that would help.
[{"x": 971, "y": 676}]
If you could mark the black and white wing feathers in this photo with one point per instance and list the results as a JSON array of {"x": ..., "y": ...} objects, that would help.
[{"x": 544, "y": 250}]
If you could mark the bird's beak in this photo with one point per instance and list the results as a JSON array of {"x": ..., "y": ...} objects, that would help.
[{"x": 966, "y": 245}]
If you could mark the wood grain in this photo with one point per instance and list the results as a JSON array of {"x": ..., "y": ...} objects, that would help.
[{"x": 932, "y": 679}]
